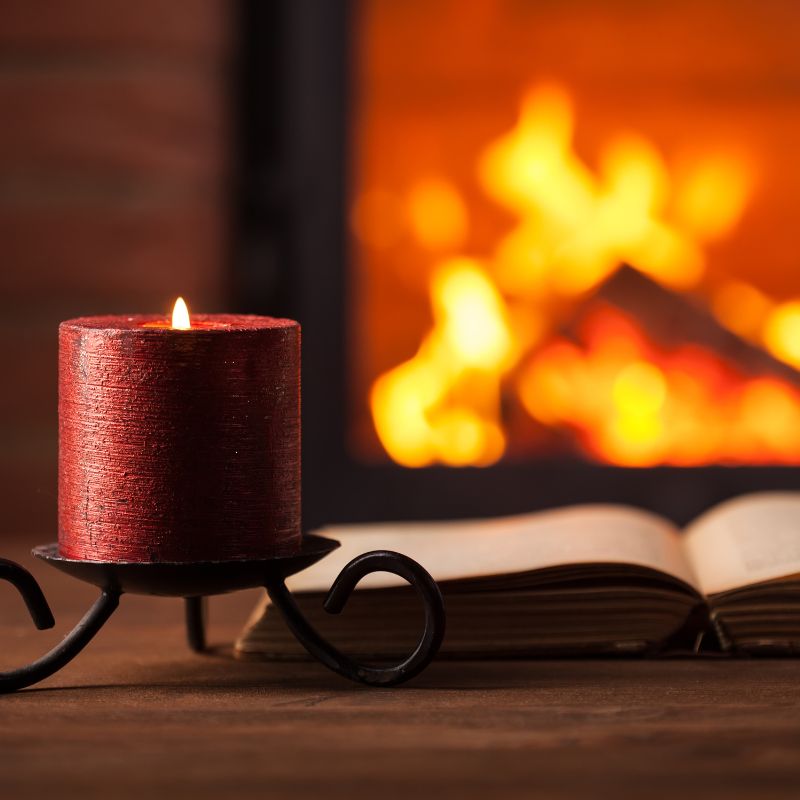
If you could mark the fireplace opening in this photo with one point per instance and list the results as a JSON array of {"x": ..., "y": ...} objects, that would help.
[
  {"x": 543, "y": 252},
  {"x": 525, "y": 158}
]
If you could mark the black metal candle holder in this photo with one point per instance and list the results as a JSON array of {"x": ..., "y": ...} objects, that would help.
[{"x": 195, "y": 581}]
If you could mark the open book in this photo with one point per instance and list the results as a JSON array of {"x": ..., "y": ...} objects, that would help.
[{"x": 578, "y": 580}]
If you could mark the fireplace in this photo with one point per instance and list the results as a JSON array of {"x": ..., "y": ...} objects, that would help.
[{"x": 542, "y": 252}]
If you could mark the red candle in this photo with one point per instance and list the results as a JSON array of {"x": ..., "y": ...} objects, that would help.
[{"x": 179, "y": 443}]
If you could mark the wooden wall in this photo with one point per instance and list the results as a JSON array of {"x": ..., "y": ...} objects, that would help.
[{"x": 113, "y": 190}]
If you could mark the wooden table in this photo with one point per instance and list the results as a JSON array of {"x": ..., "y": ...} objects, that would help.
[{"x": 137, "y": 715}]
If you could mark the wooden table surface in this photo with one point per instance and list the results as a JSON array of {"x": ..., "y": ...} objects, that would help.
[{"x": 138, "y": 715}]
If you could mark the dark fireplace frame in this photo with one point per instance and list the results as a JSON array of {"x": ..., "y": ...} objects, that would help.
[{"x": 290, "y": 256}]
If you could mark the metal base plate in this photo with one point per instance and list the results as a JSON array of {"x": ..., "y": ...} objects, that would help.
[{"x": 193, "y": 579}]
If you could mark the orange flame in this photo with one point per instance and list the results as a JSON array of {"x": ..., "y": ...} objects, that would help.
[
  {"x": 574, "y": 228},
  {"x": 443, "y": 404},
  {"x": 633, "y": 403},
  {"x": 579, "y": 226}
]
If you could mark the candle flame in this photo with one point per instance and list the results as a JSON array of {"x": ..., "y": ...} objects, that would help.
[{"x": 180, "y": 316}]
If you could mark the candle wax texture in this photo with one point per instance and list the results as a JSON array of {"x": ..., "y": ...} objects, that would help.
[{"x": 179, "y": 445}]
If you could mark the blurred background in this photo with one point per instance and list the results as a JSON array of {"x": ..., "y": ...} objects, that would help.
[
  {"x": 114, "y": 194},
  {"x": 542, "y": 252}
]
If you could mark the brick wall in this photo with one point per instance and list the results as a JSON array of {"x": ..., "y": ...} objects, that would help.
[{"x": 113, "y": 198}]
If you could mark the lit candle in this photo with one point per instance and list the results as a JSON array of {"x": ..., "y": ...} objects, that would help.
[{"x": 179, "y": 440}]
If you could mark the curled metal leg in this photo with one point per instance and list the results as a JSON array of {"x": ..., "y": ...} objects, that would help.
[
  {"x": 66, "y": 650},
  {"x": 30, "y": 592},
  {"x": 343, "y": 586},
  {"x": 196, "y": 608}
]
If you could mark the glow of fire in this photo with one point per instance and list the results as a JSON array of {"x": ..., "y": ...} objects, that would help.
[
  {"x": 633, "y": 403},
  {"x": 443, "y": 404},
  {"x": 495, "y": 317},
  {"x": 180, "y": 316},
  {"x": 758, "y": 318},
  {"x": 437, "y": 214}
]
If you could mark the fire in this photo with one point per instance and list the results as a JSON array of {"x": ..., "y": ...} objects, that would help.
[
  {"x": 782, "y": 332},
  {"x": 576, "y": 227},
  {"x": 634, "y": 403},
  {"x": 444, "y": 404},
  {"x": 496, "y": 318},
  {"x": 180, "y": 316},
  {"x": 758, "y": 318}
]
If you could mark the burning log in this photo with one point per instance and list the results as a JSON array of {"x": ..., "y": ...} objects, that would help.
[
  {"x": 672, "y": 319},
  {"x": 642, "y": 376}
]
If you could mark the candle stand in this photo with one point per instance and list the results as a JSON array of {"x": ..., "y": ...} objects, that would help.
[{"x": 196, "y": 581}]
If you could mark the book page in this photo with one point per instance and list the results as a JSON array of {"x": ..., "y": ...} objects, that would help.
[
  {"x": 746, "y": 540},
  {"x": 479, "y": 548}
]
